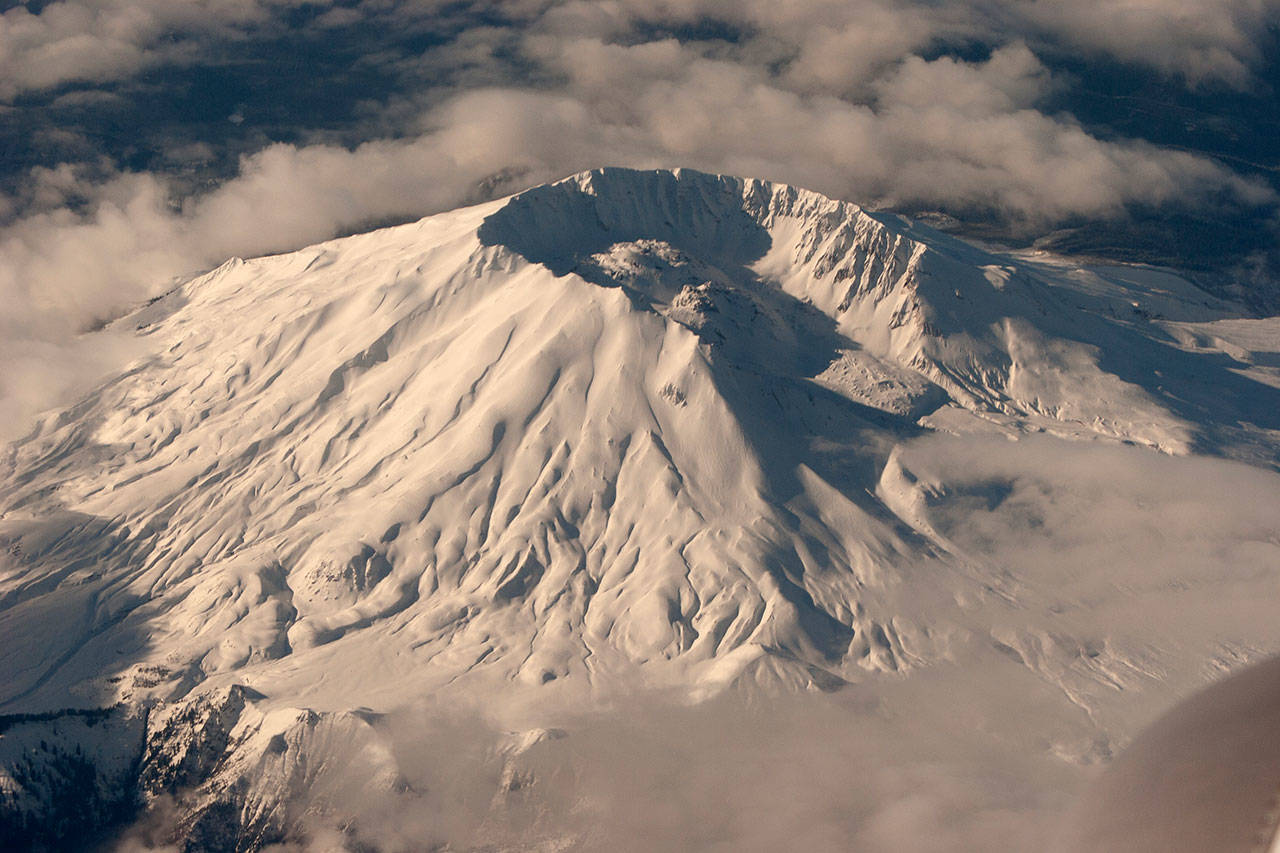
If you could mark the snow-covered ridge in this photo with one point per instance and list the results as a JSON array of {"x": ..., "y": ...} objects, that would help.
[
  {"x": 632, "y": 428},
  {"x": 997, "y": 334}
]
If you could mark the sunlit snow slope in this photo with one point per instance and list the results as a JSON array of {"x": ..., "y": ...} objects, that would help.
[{"x": 633, "y": 428}]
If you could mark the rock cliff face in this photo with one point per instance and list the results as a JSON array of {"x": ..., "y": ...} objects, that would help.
[
  {"x": 225, "y": 775},
  {"x": 630, "y": 428}
]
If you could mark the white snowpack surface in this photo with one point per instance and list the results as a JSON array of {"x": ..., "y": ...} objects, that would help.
[{"x": 666, "y": 441}]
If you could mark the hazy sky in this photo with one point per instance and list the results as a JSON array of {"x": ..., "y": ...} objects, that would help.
[{"x": 148, "y": 139}]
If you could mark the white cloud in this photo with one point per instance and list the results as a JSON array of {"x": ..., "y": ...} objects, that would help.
[
  {"x": 1120, "y": 541},
  {"x": 96, "y": 40},
  {"x": 1202, "y": 41},
  {"x": 824, "y": 46},
  {"x": 837, "y": 44}
]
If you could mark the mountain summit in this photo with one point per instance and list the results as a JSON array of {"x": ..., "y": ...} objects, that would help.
[{"x": 631, "y": 428}]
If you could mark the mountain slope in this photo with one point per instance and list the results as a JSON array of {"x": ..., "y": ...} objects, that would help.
[{"x": 633, "y": 428}]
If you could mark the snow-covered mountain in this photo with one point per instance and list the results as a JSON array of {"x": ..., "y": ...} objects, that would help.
[{"x": 632, "y": 430}]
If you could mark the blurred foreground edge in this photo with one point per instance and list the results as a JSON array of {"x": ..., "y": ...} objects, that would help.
[{"x": 1204, "y": 778}]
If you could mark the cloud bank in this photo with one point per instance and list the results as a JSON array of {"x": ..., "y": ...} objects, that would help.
[{"x": 817, "y": 773}]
